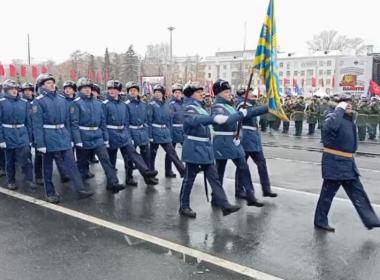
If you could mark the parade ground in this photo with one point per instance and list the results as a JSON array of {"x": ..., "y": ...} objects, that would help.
[{"x": 138, "y": 234}]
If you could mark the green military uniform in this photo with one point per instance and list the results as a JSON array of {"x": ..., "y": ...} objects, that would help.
[
  {"x": 298, "y": 115},
  {"x": 287, "y": 107},
  {"x": 264, "y": 117},
  {"x": 373, "y": 118},
  {"x": 363, "y": 111},
  {"x": 312, "y": 116}
]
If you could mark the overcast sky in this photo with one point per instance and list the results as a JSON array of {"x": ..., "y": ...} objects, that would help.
[{"x": 58, "y": 27}]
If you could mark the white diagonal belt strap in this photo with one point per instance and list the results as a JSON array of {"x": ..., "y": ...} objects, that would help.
[
  {"x": 200, "y": 139},
  {"x": 158, "y": 125},
  {"x": 88, "y": 127},
  {"x": 177, "y": 125},
  {"x": 54, "y": 126},
  {"x": 224, "y": 133},
  {"x": 12, "y": 125},
  {"x": 248, "y": 127},
  {"x": 119, "y": 127}
]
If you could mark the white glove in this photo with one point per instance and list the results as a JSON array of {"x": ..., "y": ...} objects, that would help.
[
  {"x": 3, "y": 145},
  {"x": 236, "y": 142},
  {"x": 244, "y": 111},
  {"x": 72, "y": 144},
  {"x": 107, "y": 144},
  {"x": 151, "y": 140},
  {"x": 220, "y": 119},
  {"x": 342, "y": 105},
  {"x": 80, "y": 145},
  {"x": 42, "y": 150}
]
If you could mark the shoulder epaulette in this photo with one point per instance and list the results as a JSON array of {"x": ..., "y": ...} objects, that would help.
[
  {"x": 77, "y": 99},
  {"x": 105, "y": 101},
  {"x": 127, "y": 102},
  {"x": 23, "y": 99},
  {"x": 40, "y": 96},
  {"x": 2, "y": 99}
]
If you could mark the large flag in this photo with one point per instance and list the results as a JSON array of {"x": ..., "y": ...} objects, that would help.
[
  {"x": 266, "y": 62},
  {"x": 374, "y": 88}
]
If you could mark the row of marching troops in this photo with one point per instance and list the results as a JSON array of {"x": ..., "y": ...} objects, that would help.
[
  {"x": 72, "y": 126},
  {"x": 315, "y": 109}
]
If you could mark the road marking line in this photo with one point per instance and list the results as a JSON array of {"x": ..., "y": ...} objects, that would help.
[{"x": 186, "y": 251}]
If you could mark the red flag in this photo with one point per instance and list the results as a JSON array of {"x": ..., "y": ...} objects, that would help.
[
  {"x": 91, "y": 75},
  {"x": 12, "y": 70},
  {"x": 285, "y": 81},
  {"x": 2, "y": 70},
  {"x": 333, "y": 81},
  {"x": 100, "y": 78},
  {"x": 73, "y": 75},
  {"x": 313, "y": 82},
  {"x": 23, "y": 70},
  {"x": 44, "y": 69},
  {"x": 107, "y": 76},
  {"x": 294, "y": 82},
  {"x": 34, "y": 71},
  {"x": 374, "y": 88}
]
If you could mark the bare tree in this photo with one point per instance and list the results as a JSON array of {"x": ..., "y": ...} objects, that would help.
[{"x": 331, "y": 40}]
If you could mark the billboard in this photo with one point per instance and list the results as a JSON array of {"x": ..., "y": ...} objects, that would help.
[{"x": 353, "y": 75}]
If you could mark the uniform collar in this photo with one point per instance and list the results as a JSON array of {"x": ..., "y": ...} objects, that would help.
[{"x": 11, "y": 97}]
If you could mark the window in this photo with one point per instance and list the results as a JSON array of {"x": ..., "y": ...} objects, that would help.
[
  {"x": 329, "y": 62},
  {"x": 328, "y": 82},
  {"x": 288, "y": 73},
  {"x": 303, "y": 73},
  {"x": 310, "y": 72},
  {"x": 224, "y": 75},
  {"x": 209, "y": 75},
  {"x": 281, "y": 64},
  {"x": 320, "y": 72},
  {"x": 308, "y": 82},
  {"x": 209, "y": 67},
  {"x": 281, "y": 73},
  {"x": 295, "y": 73},
  {"x": 321, "y": 63},
  {"x": 328, "y": 72},
  {"x": 224, "y": 67},
  {"x": 287, "y": 66}
]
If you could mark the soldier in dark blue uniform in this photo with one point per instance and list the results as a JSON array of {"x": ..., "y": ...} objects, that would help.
[
  {"x": 15, "y": 134},
  {"x": 176, "y": 112},
  {"x": 198, "y": 153},
  {"x": 51, "y": 135},
  {"x": 117, "y": 120},
  {"x": 251, "y": 142},
  {"x": 339, "y": 168},
  {"x": 225, "y": 144},
  {"x": 138, "y": 127},
  {"x": 159, "y": 129},
  {"x": 27, "y": 90},
  {"x": 89, "y": 131}
]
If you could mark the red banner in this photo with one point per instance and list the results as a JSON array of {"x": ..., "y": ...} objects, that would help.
[
  {"x": 23, "y": 70},
  {"x": 44, "y": 69},
  {"x": 12, "y": 70},
  {"x": 107, "y": 76},
  {"x": 313, "y": 82},
  {"x": 2, "y": 70},
  {"x": 73, "y": 75},
  {"x": 34, "y": 71},
  {"x": 91, "y": 75},
  {"x": 374, "y": 88},
  {"x": 100, "y": 77}
]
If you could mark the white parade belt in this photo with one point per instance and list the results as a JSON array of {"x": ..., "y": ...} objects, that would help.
[
  {"x": 224, "y": 133},
  {"x": 177, "y": 125},
  {"x": 200, "y": 139},
  {"x": 136, "y": 126},
  {"x": 12, "y": 125},
  {"x": 54, "y": 126},
  {"x": 88, "y": 127},
  {"x": 158, "y": 125},
  {"x": 248, "y": 127},
  {"x": 118, "y": 127}
]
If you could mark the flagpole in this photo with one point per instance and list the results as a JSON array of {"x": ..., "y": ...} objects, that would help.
[{"x": 28, "y": 50}]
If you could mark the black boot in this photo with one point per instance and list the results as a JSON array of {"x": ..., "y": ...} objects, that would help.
[
  {"x": 150, "y": 181},
  {"x": 39, "y": 181},
  {"x": 229, "y": 209},
  {"x": 241, "y": 195},
  {"x": 187, "y": 212},
  {"x": 150, "y": 173},
  {"x": 89, "y": 175},
  {"x": 53, "y": 199},
  {"x": 84, "y": 194},
  {"x": 270, "y": 194},
  {"x": 115, "y": 188},
  {"x": 325, "y": 228},
  {"x": 130, "y": 182},
  {"x": 170, "y": 175},
  {"x": 252, "y": 201}
]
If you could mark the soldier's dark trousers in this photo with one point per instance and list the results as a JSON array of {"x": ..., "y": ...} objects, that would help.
[
  {"x": 356, "y": 194},
  {"x": 361, "y": 133},
  {"x": 263, "y": 125},
  {"x": 68, "y": 161},
  {"x": 170, "y": 152},
  {"x": 145, "y": 154},
  {"x": 168, "y": 162},
  {"x": 2, "y": 159},
  {"x": 128, "y": 152},
  {"x": 218, "y": 195},
  {"x": 101, "y": 152},
  {"x": 19, "y": 156},
  {"x": 285, "y": 127},
  {"x": 372, "y": 131},
  {"x": 277, "y": 124},
  {"x": 271, "y": 125},
  {"x": 260, "y": 161},
  {"x": 311, "y": 128},
  {"x": 243, "y": 177},
  {"x": 298, "y": 125},
  {"x": 37, "y": 164}
]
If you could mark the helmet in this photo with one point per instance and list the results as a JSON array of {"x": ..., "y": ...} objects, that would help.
[
  {"x": 177, "y": 87},
  {"x": 114, "y": 84},
  {"x": 8, "y": 84},
  {"x": 240, "y": 91},
  {"x": 220, "y": 85},
  {"x": 26, "y": 86},
  {"x": 84, "y": 82},
  {"x": 70, "y": 84},
  {"x": 160, "y": 88},
  {"x": 189, "y": 89},
  {"x": 96, "y": 88},
  {"x": 130, "y": 85},
  {"x": 42, "y": 78}
]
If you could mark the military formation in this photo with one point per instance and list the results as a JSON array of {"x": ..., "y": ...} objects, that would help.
[{"x": 82, "y": 125}]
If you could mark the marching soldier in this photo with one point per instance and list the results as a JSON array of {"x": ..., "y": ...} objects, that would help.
[
  {"x": 362, "y": 118},
  {"x": 263, "y": 118},
  {"x": 15, "y": 134},
  {"x": 198, "y": 154},
  {"x": 138, "y": 126},
  {"x": 226, "y": 146},
  {"x": 208, "y": 102},
  {"x": 373, "y": 118},
  {"x": 176, "y": 112},
  {"x": 51, "y": 122},
  {"x": 116, "y": 115},
  {"x": 287, "y": 107},
  {"x": 89, "y": 132},
  {"x": 159, "y": 128},
  {"x": 323, "y": 106},
  {"x": 312, "y": 115},
  {"x": 339, "y": 168},
  {"x": 251, "y": 142},
  {"x": 298, "y": 115}
]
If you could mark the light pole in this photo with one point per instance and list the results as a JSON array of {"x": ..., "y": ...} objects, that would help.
[{"x": 171, "y": 28}]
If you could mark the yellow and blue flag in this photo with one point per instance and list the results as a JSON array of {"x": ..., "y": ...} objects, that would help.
[{"x": 266, "y": 62}]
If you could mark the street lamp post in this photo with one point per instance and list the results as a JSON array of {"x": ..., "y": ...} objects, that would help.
[{"x": 171, "y": 28}]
